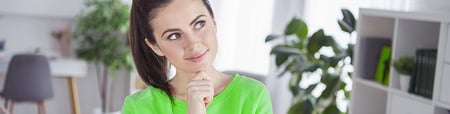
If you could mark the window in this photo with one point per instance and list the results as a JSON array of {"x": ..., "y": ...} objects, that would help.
[{"x": 242, "y": 26}]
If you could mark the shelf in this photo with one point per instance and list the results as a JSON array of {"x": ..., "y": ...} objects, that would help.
[
  {"x": 442, "y": 105},
  {"x": 443, "y": 95},
  {"x": 410, "y": 36},
  {"x": 371, "y": 29},
  {"x": 371, "y": 83},
  {"x": 440, "y": 110},
  {"x": 447, "y": 62},
  {"x": 407, "y": 32},
  {"x": 403, "y": 104},
  {"x": 374, "y": 26},
  {"x": 416, "y": 15},
  {"x": 447, "y": 41},
  {"x": 411, "y": 96},
  {"x": 368, "y": 97}
]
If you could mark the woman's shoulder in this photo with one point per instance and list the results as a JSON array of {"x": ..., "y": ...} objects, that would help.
[
  {"x": 150, "y": 100},
  {"x": 248, "y": 83},
  {"x": 146, "y": 94}
]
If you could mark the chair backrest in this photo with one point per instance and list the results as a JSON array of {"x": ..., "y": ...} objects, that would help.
[
  {"x": 258, "y": 77},
  {"x": 28, "y": 78}
]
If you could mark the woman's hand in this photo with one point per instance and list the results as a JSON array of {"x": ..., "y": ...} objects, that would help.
[{"x": 200, "y": 92}]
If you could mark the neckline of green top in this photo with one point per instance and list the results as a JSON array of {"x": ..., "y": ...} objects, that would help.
[{"x": 220, "y": 96}]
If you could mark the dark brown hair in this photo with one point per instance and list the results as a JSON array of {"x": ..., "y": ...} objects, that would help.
[{"x": 151, "y": 67}]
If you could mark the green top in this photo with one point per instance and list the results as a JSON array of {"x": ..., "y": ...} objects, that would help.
[{"x": 242, "y": 96}]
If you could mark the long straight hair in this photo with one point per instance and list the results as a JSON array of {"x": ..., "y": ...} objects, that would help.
[{"x": 151, "y": 68}]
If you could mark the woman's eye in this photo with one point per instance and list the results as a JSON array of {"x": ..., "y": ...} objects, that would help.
[
  {"x": 199, "y": 25},
  {"x": 174, "y": 36}
]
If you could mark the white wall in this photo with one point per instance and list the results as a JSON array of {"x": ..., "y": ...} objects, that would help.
[
  {"x": 432, "y": 5},
  {"x": 41, "y": 8},
  {"x": 26, "y": 25}
]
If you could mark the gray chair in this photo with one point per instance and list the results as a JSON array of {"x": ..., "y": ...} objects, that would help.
[
  {"x": 28, "y": 79},
  {"x": 258, "y": 77}
]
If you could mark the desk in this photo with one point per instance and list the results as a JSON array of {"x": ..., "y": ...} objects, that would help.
[{"x": 60, "y": 68}]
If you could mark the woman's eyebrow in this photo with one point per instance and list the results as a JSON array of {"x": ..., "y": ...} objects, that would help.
[
  {"x": 170, "y": 30},
  {"x": 176, "y": 29},
  {"x": 193, "y": 21}
]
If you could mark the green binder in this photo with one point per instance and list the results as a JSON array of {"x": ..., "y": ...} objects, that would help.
[{"x": 382, "y": 73}]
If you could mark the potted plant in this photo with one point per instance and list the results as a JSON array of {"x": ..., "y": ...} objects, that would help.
[
  {"x": 404, "y": 66},
  {"x": 298, "y": 55},
  {"x": 101, "y": 32}
]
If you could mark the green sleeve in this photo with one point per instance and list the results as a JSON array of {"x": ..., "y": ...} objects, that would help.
[
  {"x": 128, "y": 106},
  {"x": 265, "y": 104}
]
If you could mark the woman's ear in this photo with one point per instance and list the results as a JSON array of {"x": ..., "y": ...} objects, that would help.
[{"x": 154, "y": 47}]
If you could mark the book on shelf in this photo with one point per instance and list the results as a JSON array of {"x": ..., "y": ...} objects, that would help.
[
  {"x": 371, "y": 48},
  {"x": 383, "y": 66},
  {"x": 414, "y": 78},
  {"x": 431, "y": 71},
  {"x": 422, "y": 79}
]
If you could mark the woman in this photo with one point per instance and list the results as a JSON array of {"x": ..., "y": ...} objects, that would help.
[{"x": 183, "y": 33}]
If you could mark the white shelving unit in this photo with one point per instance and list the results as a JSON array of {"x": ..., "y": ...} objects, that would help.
[{"x": 408, "y": 31}]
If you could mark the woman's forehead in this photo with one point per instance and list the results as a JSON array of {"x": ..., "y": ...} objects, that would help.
[{"x": 179, "y": 12}]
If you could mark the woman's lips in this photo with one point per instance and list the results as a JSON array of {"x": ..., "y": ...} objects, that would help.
[{"x": 197, "y": 57}]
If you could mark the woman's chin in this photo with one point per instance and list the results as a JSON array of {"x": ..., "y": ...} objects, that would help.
[
  {"x": 198, "y": 68},
  {"x": 201, "y": 66}
]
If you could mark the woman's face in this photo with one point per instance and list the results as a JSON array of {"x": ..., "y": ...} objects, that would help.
[{"x": 185, "y": 34}]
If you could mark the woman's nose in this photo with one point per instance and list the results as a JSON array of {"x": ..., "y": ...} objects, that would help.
[{"x": 193, "y": 43}]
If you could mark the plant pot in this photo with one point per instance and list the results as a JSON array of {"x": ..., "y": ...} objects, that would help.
[{"x": 404, "y": 82}]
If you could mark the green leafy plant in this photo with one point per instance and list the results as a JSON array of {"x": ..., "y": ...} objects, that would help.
[
  {"x": 299, "y": 55},
  {"x": 101, "y": 31},
  {"x": 404, "y": 65}
]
